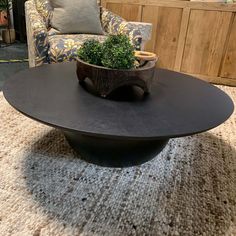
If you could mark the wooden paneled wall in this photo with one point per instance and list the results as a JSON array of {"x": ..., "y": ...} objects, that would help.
[{"x": 196, "y": 38}]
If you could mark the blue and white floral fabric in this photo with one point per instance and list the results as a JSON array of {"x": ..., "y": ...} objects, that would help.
[{"x": 65, "y": 48}]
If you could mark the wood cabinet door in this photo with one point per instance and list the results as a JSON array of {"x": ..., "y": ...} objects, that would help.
[
  {"x": 205, "y": 42},
  {"x": 166, "y": 28},
  {"x": 229, "y": 61}
]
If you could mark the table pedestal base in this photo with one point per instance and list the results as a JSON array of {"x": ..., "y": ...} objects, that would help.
[{"x": 114, "y": 152}]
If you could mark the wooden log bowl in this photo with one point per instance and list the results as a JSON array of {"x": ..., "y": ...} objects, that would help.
[{"x": 106, "y": 80}]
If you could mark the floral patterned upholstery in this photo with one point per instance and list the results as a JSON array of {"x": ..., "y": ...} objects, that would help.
[
  {"x": 114, "y": 24},
  {"x": 65, "y": 48},
  {"x": 47, "y": 45},
  {"x": 37, "y": 35},
  {"x": 44, "y": 9}
]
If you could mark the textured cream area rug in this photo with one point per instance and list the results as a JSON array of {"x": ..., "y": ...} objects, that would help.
[{"x": 46, "y": 189}]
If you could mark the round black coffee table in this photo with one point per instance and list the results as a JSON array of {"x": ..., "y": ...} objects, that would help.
[{"x": 118, "y": 132}]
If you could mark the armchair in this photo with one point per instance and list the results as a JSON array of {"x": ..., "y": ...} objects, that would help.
[{"x": 47, "y": 45}]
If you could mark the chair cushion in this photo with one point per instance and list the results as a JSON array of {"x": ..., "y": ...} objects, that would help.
[
  {"x": 76, "y": 16},
  {"x": 45, "y": 10},
  {"x": 65, "y": 47}
]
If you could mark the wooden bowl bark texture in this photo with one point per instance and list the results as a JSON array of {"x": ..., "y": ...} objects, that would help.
[{"x": 106, "y": 80}]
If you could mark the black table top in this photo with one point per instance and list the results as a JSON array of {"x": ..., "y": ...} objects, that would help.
[{"x": 178, "y": 105}]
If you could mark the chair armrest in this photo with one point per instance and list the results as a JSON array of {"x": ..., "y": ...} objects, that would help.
[
  {"x": 114, "y": 24},
  {"x": 145, "y": 29},
  {"x": 37, "y": 35}
]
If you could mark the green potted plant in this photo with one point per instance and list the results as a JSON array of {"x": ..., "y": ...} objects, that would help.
[
  {"x": 8, "y": 34},
  {"x": 114, "y": 64}
]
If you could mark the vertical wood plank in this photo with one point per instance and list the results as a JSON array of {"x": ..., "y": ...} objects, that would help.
[
  {"x": 130, "y": 12},
  {"x": 229, "y": 61},
  {"x": 115, "y": 8},
  {"x": 167, "y": 35},
  {"x": 205, "y": 41},
  {"x": 149, "y": 15},
  {"x": 182, "y": 38}
]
